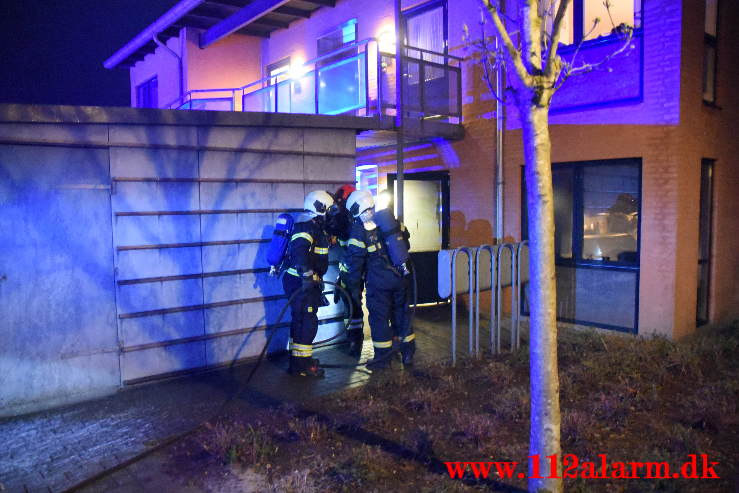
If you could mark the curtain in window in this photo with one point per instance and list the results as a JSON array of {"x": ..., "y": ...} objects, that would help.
[{"x": 426, "y": 31}]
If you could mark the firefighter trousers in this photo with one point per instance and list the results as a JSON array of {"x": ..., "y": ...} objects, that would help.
[
  {"x": 304, "y": 315},
  {"x": 389, "y": 316}
]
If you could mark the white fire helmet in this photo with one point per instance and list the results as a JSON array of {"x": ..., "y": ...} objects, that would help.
[
  {"x": 359, "y": 201},
  {"x": 318, "y": 202}
]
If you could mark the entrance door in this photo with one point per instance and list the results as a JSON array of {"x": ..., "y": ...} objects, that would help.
[
  {"x": 704, "y": 241},
  {"x": 426, "y": 216}
]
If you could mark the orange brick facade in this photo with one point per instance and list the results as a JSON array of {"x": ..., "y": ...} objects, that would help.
[{"x": 671, "y": 155}]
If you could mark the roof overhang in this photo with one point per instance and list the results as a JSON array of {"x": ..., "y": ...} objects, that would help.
[
  {"x": 144, "y": 37},
  {"x": 216, "y": 19}
]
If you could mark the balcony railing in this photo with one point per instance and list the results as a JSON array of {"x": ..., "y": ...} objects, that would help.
[{"x": 356, "y": 79}]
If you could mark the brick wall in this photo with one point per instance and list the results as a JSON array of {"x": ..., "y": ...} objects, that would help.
[
  {"x": 671, "y": 130},
  {"x": 708, "y": 132}
]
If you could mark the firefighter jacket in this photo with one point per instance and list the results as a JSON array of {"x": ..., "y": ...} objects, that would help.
[
  {"x": 308, "y": 248},
  {"x": 339, "y": 223},
  {"x": 366, "y": 259}
]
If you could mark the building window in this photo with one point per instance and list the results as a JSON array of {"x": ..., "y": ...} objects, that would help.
[
  {"x": 596, "y": 212},
  {"x": 580, "y": 20},
  {"x": 596, "y": 220},
  {"x": 705, "y": 234},
  {"x": 337, "y": 38},
  {"x": 709, "y": 51},
  {"x": 147, "y": 94},
  {"x": 278, "y": 71}
]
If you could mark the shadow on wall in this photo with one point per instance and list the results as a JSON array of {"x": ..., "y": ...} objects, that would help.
[
  {"x": 476, "y": 232},
  {"x": 473, "y": 234},
  {"x": 266, "y": 285},
  {"x": 232, "y": 273},
  {"x": 255, "y": 285}
]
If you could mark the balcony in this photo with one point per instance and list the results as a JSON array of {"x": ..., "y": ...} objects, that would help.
[{"x": 357, "y": 79}]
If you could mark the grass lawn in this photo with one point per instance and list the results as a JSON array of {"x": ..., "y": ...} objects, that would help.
[{"x": 633, "y": 399}]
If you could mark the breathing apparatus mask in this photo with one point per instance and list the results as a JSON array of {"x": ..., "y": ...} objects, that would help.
[{"x": 367, "y": 217}]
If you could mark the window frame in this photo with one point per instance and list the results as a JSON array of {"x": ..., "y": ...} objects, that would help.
[
  {"x": 268, "y": 69},
  {"x": 578, "y": 24},
  {"x": 706, "y": 215},
  {"x": 710, "y": 41},
  {"x": 338, "y": 28},
  {"x": 147, "y": 85},
  {"x": 578, "y": 263},
  {"x": 422, "y": 8},
  {"x": 578, "y": 168}
]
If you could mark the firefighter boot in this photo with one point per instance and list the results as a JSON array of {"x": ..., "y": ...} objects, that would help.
[
  {"x": 408, "y": 350},
  {"x": 312, "y": 369},
  {"x": 381, "y": 361},
  {"x": 355, "y": 337},
  {"x": 305, "y": 367}
]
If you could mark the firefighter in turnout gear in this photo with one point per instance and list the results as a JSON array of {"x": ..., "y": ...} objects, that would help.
[
  {"x": 307, "y": 258},
  {"x": 339, "y": 223},
  {"x": 387, "y": 284}
]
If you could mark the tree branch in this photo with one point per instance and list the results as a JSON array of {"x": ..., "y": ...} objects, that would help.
[
  {"x": 589, "y": 67},
  {"x": 513, "y": 53},
  {"x": 556, "y": 29},
  {"x": 486, "y": 65}
]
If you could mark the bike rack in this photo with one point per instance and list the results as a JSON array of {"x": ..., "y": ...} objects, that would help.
[
  {"x": 519, "y": 284},
  {"x": 470, "y": 256},
  {"x": 499, "y": 296},
  {"x": 493, "y": 268},
  {"x": 496, "y": 297}
]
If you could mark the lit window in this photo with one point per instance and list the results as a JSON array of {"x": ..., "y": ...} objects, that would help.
[
  {"x": 278, "y": 71},
  {"x": 566, "y": 30},
  {"x": 620, "y": 12},
  {"x": 580, "y": 20},
  {"x": 596, "y": 212}
]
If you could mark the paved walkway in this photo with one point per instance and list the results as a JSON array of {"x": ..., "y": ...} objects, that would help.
[{"x": 57, "y": 449}]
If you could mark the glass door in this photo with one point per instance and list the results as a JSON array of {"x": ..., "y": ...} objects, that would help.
[{"x": 426, "y": 216}]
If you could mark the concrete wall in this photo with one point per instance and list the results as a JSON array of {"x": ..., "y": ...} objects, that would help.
[
  {"x": 133, "y": 241},
  {"x": 57, "y": 301}
]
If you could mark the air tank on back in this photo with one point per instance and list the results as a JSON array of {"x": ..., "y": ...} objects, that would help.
[{"x": 396, "y": 244}]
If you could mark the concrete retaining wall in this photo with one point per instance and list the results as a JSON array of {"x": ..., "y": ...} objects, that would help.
[{"x": 132, "y": 242}]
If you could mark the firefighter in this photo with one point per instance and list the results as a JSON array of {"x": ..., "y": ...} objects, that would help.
[
  {"x": 339, "y": 222},
  {"x": 387, "y": 282},
  {"x": 307, "y": 257}
]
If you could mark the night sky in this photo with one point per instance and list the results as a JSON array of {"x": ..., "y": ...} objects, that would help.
[{"x": 52, "y": 51}]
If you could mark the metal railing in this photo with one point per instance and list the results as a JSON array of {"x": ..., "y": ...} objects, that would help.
[
  {"x": 431, "y": 84},
  {"x": 502, "y": 274},
  {"x": 357, "y": 79}
]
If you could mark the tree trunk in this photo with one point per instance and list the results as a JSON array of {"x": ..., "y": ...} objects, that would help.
[{"x": 545, "y": 415}]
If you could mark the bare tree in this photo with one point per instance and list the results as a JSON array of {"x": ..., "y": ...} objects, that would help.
[{"x": 525, "y": 49}]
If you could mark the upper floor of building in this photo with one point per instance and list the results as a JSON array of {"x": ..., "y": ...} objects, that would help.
[{"x": 339, "y": 57}]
